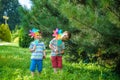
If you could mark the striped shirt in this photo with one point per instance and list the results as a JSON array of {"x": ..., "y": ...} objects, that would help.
[
  {"x": 54, "y": 43},
  {"x": 38, "y": 53}
]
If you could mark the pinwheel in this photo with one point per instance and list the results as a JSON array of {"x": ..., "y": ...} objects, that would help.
[
  {"x": 58, "y": 35},
  {"x": 33, "y": 33}
]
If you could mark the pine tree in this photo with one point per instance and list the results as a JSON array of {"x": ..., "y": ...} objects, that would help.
[{"x": 43, "y": 16}]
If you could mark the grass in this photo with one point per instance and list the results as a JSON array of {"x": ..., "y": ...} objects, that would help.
[{"x": 15, "y": 61}]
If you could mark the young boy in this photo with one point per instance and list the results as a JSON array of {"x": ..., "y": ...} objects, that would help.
[
  {"x": 37, "y": 48},
  {"x": 57, "y": 51}
]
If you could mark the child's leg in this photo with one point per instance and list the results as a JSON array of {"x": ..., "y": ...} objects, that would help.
[
  {"x": 32, "y": 73},
  {"x": 60, "y": 70},
  {"x": 54, "y": 63},
  {"x": 32, "y": 67},
  {"x": 55, "y": 70},
  {"x": 59, "y": 59},
  {"x": 39, "y": 66}
]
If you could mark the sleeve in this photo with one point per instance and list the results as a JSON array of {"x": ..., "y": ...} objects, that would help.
[
  {"x": 44, "y": 47},
  {"x": 51, "y": 42},
  {"x": 31, "y": 45},
  {"x": 63, "y": 46}
]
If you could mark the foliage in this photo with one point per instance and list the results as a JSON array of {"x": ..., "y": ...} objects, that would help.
[
  {"x": 15, "y": 34},
  {"x": 24, "y": 39},
  {"x": 5, "y": 33},
  {"x": 44, "y": 17},
  {"x": 15, "y": 62},
  {"x": 97, "y": 21},
  {"x": 117, "y": 68},
  {"x": 94, "y": 25},
  {"x": 10, "y": 8}
]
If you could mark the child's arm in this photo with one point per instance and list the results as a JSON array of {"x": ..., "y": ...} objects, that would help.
[
  {"x": 44, "y": 54},
  {"x": 53, "y": 48},
  {"x": 62, "y": 52},
  {"x": 63, "y": 48},
  {"x": 33, "y": 49}
]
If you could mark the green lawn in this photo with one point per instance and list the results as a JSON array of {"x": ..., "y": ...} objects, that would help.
[{"x": 15, "y": 61}]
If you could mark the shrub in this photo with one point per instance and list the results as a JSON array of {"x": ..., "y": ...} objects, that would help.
[
  {"x": 82, "y": 46},
  {"x": 24, "y": 39},
  {"x": 5, "y": 33},
  {"x": 15, "y": 34}
]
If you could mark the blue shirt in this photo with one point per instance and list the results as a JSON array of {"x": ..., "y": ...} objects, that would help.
[{"x": 38, "y": 53}]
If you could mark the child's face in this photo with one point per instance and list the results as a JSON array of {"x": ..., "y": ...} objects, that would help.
[
  {"x": 38, "y": 36},
  {"x": 65, "y": 36}
]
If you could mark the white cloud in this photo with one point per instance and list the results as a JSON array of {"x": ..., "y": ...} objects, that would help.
[{"x": 26, "y": 3}]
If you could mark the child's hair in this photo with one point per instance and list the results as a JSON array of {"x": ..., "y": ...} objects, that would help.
[{"x": 40, "y": 33}]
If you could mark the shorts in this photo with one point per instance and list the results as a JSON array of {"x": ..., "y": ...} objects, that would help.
[
  {"x": 56, "y": 61},
  {"x": 36, "y": 64}
]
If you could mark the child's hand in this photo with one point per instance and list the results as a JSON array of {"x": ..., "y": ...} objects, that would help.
[
  {"x": 34, "y": 47},
  {"x": 56, "y": 51},
  {"x": 44, "y": 57},
  {"x": 62, "y": 52}
]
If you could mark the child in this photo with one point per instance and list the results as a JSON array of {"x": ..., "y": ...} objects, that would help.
[
  {"x": 37, "y": 48},
  {"x": 57, "y": 51}
]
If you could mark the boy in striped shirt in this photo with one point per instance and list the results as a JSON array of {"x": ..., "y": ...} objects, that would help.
[
  {"x": 57, "y": 51},
  {"x": 37, "y": 49}
]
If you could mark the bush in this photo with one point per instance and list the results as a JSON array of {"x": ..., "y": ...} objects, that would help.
[
  {"x": 46, "y": 41},
  {"x": 117, "y": 68},
  {"x": 15, "y": 34},
  {"x": 5, "y": 33},
  {"x": 24, "y": 39},
  {"x": 79, "y": 48}
]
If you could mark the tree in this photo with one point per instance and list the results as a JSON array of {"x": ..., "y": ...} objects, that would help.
[
  {"x": 44, "y": 16},
  {"x": 96, "y": 24},
  {"x": 10, "y": 9}
]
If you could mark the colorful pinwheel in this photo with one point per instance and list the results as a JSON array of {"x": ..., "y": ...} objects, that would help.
[
  {"x": 34, "y": 32},
  {"x": 58, "y": 35}
]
